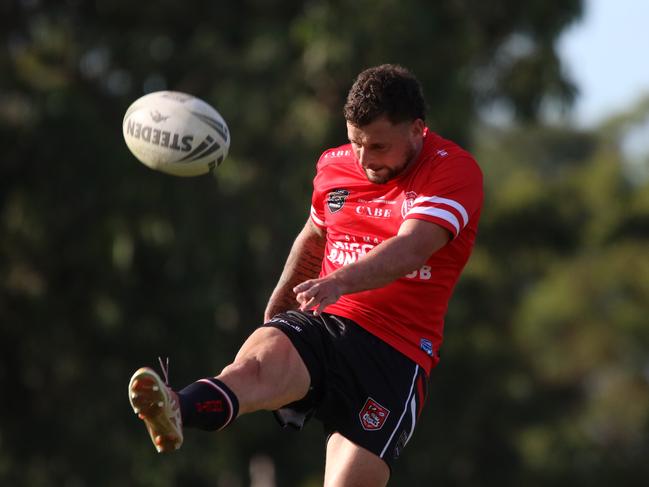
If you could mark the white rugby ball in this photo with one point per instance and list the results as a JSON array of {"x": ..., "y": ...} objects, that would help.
[{"x": 176, "y": 133}]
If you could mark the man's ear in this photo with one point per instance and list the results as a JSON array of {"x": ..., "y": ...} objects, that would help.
[{"x": 417, "y": 128}]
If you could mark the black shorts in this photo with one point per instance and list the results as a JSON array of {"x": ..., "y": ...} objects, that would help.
[{"x": 361, "y": 387}]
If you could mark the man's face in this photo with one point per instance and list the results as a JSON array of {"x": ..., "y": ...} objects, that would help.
[{"x": 383, "y": 149}]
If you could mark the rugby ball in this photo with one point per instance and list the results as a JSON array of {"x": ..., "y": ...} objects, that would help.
[{"x": 176, "y": 133}]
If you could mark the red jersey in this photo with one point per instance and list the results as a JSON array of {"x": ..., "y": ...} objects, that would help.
[{"x": 443, "y": 186}]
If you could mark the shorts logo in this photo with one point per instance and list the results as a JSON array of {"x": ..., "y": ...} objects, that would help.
[
  {"x": 373, "y": 415},
  {"x": 336, "y": 199},
  {"x": 401, "y": 443},
  {"x": 408, "y": 202},
  {"x": 287, "y": 323}
]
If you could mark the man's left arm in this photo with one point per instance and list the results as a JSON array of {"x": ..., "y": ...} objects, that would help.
[{"x": 393, "y": 258}]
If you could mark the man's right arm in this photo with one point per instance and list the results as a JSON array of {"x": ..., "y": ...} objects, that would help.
[{"x": 303, "y": 263}]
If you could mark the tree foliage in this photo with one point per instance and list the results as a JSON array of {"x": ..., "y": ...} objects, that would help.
[{"x": 104, "y": 264}]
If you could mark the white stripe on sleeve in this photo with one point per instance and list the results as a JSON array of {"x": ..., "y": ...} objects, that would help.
[
  {"x": 315, "y": 217},
  {"x": 439, "y": 213},
  {"x": 444, "y": 201}
]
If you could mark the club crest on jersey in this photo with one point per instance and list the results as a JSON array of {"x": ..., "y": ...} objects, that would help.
[
  {"x": 336, "y": 199},
  {"x": 373, "y": 415},
  {"x": 408, "y": 203}
]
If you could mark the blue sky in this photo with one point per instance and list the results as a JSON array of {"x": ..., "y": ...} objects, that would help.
[{"x": 607, "y": 54}]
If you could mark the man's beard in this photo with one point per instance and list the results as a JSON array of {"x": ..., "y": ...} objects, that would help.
[{"x": 386, "y": 174}]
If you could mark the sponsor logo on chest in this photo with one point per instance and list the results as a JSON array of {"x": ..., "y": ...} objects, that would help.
[
  {"x": 373, "y": 208},
  {"x": 373, "y": 212}
]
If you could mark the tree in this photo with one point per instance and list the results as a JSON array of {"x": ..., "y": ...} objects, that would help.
[{"x": 105, "y": 264}]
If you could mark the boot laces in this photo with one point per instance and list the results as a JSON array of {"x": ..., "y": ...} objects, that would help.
[{"x": 164, "y": 366}]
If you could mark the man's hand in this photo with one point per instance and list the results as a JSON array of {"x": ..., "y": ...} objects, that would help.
[
  {"x": 392, "y": 259},
  {"x": 318, "y": 293}
]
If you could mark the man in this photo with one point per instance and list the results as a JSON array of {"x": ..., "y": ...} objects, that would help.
[{"x": 354, "y": 326}]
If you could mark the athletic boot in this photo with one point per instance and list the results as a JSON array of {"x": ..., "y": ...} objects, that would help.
[{"x": 157, "y": 405}]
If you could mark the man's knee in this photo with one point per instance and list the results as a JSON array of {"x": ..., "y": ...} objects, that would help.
[
  {"x": 265, "y": 342},
  {"x": 246, "y": 368},
  {"x": 267, "y": 372}
]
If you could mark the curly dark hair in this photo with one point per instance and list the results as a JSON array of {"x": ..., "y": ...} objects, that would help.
[{"x": 388, "y": 89}]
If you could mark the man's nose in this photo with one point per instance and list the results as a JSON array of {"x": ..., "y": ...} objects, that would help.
[{"x": 365, "y": 158}]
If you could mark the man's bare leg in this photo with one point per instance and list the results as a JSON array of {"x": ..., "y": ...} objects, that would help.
[
  {"x": 267, "y": 373},
  {"x": 349, "y": 465}
]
